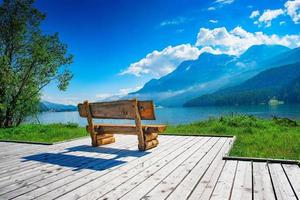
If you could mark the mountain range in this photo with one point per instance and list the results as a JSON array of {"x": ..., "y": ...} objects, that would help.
[
  {"x": 280, "y": 83},
  {"x": 211, "y": 73},
  {"x": 46, "y": 106}
]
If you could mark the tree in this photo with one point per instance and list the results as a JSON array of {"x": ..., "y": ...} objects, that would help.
[{"x": 29, "y": 60}]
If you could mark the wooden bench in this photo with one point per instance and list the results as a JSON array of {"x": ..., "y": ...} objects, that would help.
[{"x": 102, "y": 134}]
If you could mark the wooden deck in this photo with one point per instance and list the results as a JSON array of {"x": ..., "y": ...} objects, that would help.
[{"x": 179, "y": 168}]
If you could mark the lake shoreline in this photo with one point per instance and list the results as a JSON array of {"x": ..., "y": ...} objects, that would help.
[{"x": 180, "y": 115}]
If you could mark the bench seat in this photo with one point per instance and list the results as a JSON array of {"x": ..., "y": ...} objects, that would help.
[{"x": 127, "y": 128}]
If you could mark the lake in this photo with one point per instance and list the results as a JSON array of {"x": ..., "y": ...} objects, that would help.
[{"x": 182, "y": 115}]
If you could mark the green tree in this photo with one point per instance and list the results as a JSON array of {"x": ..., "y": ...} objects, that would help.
[{"x": 29, "y": 60}]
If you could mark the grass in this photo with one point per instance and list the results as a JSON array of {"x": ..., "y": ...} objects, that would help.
[
  {"x": 48, "y": 133},
  {"x": 255, "y": 137},
  {"x": 277, "y": 138}
]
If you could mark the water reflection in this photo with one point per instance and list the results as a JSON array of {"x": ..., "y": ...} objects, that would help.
[{"x": 183, "y": 115}]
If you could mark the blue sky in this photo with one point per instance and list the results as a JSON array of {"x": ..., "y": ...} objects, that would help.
[{"x": 119, "y": 45}]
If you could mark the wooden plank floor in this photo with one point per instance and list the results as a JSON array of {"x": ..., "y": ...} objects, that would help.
[{"x": 181, "y": 167}]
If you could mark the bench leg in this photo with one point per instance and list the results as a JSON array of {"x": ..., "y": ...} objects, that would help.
[
  {"x": 103, "y": 139},
  {"x": 150, "y": 140},
  {"x": 94, "y": 140}
]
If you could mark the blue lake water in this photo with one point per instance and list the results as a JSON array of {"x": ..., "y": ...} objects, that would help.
[{"x": 183, "y": 115}]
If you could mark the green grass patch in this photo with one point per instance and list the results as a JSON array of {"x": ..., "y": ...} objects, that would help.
[
  {"x": 48, "y": 133},
  {"x": 255, "y": 137}
]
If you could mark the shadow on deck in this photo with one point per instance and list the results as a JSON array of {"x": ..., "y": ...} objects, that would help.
[{"x": 78, "y": 162}]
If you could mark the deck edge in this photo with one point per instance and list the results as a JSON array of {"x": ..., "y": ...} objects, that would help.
[
  {"x": 42, "y": 143},
  {"x": 196, "y": 134},
  {"x": 268, "y": 160}
]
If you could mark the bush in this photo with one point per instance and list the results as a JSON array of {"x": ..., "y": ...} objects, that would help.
[
  {"x": 284, "y": 122},
  {"x": 241, "y": 121}
]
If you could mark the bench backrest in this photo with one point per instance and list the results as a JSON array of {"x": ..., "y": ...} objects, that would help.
[{"x": 123, "y": 109}]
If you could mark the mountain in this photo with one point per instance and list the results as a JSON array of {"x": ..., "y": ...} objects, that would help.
[
  {"x": 291, "y": 93},
  {"x": 259, "y": 53},
  {"x": 287, "y": 57},
  {"x": 48, "y": 106},
  {"x": 281, "y": 83},
  {"x": 189, "y": 73},
  {"x": 210, "y": 73},
  {"x": 210, "y": 67}
]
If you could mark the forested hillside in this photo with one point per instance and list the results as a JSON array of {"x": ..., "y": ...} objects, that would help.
[{"x": 282, "y": 83}]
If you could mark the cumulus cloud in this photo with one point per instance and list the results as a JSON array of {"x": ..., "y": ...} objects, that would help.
[
  {"x": 224, "y": 1},
  {"x": 238, "y": 40},
  {"x": 293, "y": 10},
  {"x": 268, "y": 15},
  {"x": 213, "y": 21},
  {"x": 211, "y": 8},
  {"x": 160, "y": 63},
  {"x": 254, "y": 14}
]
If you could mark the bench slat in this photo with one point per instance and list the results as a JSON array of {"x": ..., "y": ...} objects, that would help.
[{"x": 123, "y": 109}]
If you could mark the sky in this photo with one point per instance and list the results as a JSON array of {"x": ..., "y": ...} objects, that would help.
[{"x": 119, "y": 45}]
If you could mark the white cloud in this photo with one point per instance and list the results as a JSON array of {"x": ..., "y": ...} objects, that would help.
[
  {"x": 254, "y": 14},
  {"x": 213, "y": 21},
  {"x": 293, "y": 10},
  {"x": 104, "y": 96},
  {"x": 209, "y": 49},
  {"x": 236, "y": 41},
  {"x": 159, "y": 63},
  {"x": 114, "y": 96},
  {"x": 179, "y": 20},
  {"x": 61, "y": 100},
  {"x": 180, "y": 30},
  {"x": 282, "y": 23},
  {"x": 224, "y": 1},
  {"x": 268, "y": 15},
  {"x": 217, "y": 4},
  {"x": 125, "y": 91}
]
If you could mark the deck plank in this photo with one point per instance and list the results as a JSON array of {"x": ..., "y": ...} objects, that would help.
[
  {"x": 145, "y": 181},
  {"x": 293, "y": 173},
  {"x": 70, "y": 182},
  {"x": 183, "y": 190},
  {"x": 11, "y": 160},
  {"x": 242, "y": 186},
  {"x": 205, "y": 185},
  {"x": 43, "y": 185},
  {"x": 115, "y": 177},
  {"x": 224, "y": 185},
  {"x": 129, "y": 179},
  {"x": 281, "y": 184},
  {"x": 53, "y": 182},
  {"x": 42, "y": 161},
  {"x": 263, "y": 188},
  {"x": 57, "y": 170}
]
